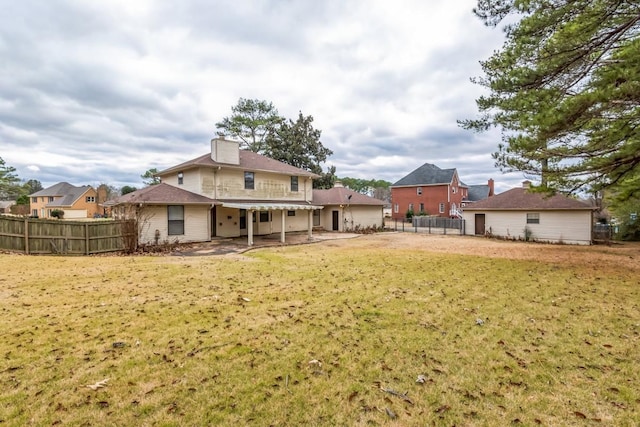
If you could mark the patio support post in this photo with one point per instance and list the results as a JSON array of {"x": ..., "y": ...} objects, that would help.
[
  {"x": 282, "y": 226},
  {"x": 250, "y": 227},
  {"x": 310, "y": 224}
]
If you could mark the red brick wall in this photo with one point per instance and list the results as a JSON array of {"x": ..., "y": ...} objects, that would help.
[{"x": 431, "y": 196}]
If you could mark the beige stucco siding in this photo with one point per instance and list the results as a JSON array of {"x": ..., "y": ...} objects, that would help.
[
  {"x": 352, "y": 217},
  {"x": 229, "y": 184},
  {"x": 572, "y": 227},
  {"x": 196, "y": 225},
  {"x": 363, "y": 217}
]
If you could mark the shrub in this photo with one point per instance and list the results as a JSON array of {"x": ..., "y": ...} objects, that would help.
[{"x": 57, "y": 213}]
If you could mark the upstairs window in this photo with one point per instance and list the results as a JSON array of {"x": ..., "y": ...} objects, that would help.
[
  {"x": 34, "y": 200},
  {"x": 180, "y": 178},
  {"x": 294, "y": 183},
  {"x": 533, "y": 218},
  {"x": 419, "y": 191},
  {"x": 90, "y": 199},
  {"x": 248, "y": 181},
  {"x": 51, "y": 199}
]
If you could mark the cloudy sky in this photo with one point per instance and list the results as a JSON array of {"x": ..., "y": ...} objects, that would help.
[{"x": 100, "y": 91}]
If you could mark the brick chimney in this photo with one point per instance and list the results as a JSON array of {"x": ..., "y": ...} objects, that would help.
[
  {"x": 526, "y": 184},
  {"x": 491, "y": 187}
]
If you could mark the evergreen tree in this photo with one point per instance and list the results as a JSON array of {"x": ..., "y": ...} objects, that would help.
[{"x": 565, "y": 90}]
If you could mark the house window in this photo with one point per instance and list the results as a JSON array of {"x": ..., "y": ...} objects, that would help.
[
  {"x": 291, "y": 213},
  {"x": 90, "y": 199},
  {"x": 419, "y": 191},
  {"x": 248, "y": 181},
  {"x": 180, "y": 178},
  {"x": 421, "y": 207},
  {"x": 264, "y": 216},
  {"x": 441, "y": 208},
  {"x": 454, "y": 190},
  {"x": 294, "y": 183},
  {"x": 396, "y": 208},
  {"x": 176, "y": 220},
  {"x": 411, "y": 207},
  {"x": 51, "y": 199},
  {"x": 34, "y": 200},
  {"x": 533, "y": 218},
  {"x": 34, "y": 213},
  {"x": 316, "y": 218}
]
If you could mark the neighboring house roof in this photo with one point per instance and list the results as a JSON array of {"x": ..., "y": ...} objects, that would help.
[
  {"x": 248, "y": 161},
  {"x": 427, "y": 174},
  {"x": 477, "y": 192},
  {"x": 6, "y": 203},
  {"x": 343, "y": 196},
  {"x": 65, "y": 193},
  {"x": 524, "y": 199},
  {"x": 163, "y": 194}
]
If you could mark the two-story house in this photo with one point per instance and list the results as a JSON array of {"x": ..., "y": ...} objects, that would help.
[
  {"x": 225, "y": 193},
  {"x": 75, "y": 202},
  {"x": 429, "y": 190}
]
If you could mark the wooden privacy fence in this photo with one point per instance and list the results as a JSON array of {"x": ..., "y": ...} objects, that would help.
[{"x": 40, "y": 236}]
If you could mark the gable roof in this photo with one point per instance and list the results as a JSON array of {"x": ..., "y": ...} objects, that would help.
[
  {"x": 427, "y": 174},
  {"x": 248, "y": 161},
  {"x": 340, "y": 195},
  {"x": 478, "y": 192},
  {"x": 67, "y": 194},
  {"x": 523, "y": 199},
  {"x": 163, "y": 194}
]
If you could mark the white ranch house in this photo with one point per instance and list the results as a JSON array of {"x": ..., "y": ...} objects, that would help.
[{"x": 525, "y": 215}]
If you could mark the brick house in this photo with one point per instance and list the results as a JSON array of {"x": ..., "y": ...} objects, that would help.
[
  {"x": 429, "y": 190},
  {"x": 75, "y": 202}
]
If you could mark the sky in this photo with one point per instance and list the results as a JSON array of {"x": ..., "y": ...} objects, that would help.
[{"x": 95, "y": 92}]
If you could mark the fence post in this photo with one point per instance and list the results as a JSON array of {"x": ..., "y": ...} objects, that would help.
[
  {"x": 86, "y": 239},
  {"x": 26, "y": 236}
]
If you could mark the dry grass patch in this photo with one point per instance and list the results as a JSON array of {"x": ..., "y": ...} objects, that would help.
[{"x": 335, "y": 333}]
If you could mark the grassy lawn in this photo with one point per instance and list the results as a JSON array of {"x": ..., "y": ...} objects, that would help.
[{"x": 335, "y": 333}]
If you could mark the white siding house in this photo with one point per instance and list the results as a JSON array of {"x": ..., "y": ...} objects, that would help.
[{"x": 525, "y": 215}]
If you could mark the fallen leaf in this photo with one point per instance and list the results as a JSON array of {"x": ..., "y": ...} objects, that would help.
[
  {"x": 580, "y": 415},
  {"x": 99, "y": 384}
]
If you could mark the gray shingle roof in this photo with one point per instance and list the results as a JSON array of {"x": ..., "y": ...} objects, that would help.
[
  {"x": 427, "y": 174},
  {"x": 248, "y": 161},
  {"x": 523, "y": 199},
  {"x": 477, "y": 192},
  {"x": 65, "y": 193}
]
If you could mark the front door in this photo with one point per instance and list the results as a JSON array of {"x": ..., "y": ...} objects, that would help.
[
  {"x": 479, "y": 224},
  {"x": 336, "y": 222}
]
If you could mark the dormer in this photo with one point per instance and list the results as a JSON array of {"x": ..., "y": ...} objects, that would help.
[{"x": 225, "y": 151}]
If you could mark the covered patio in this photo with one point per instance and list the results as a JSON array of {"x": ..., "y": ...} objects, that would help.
[{"x": 252, "y": 207}]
